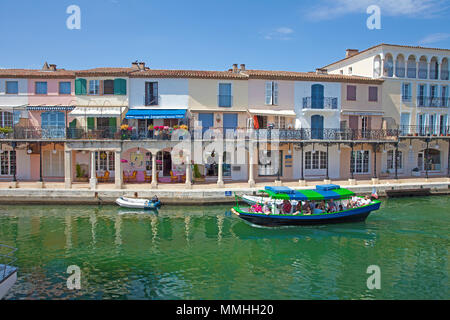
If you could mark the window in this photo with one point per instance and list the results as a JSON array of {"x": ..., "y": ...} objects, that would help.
[
  {"x": 151, "y": 93},
  {"x": 94, "y": 87},
  {"x": 108, "y": 87},
  {"x": 12, "y": 87},
  {"x": 224, "y": 94},
  {"x": 270, "y": 163},
  {"x": 351, "y": 93},
  {"x": 6, "y": 119},
  {"x": 444, "y": 94},
  {"x": 53, "y": 163},
  {"x": 315, "y": 160},
  {"x": 350, "y": 70},
  {"x": 104, "y": 161},
  {"x": 65, "y": 88},
  {"x": 406, "y": 92},
  {"x": 391, "y": 160},
  {"x": 271, "y": 93},
  {"x": 41, "y": 87},
  {"x": 7, "y": 163},
  {"x": 359, "y": 162},
  {"x": 373, "y": 94},
  {"x": 280, "y": 122}
]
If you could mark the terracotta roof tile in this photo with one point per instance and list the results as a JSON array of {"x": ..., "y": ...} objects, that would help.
[
  {"x": 150, "y": 73},
  {"x": 33, "y": 73},
  {"x": 99, "y": 72},
  {"x": 308, "y": 76}
]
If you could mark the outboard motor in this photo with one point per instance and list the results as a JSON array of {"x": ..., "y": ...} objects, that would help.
[{"x": 155, "y": 199}]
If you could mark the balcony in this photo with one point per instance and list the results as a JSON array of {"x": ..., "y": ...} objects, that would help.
[
  {"x": 424, "y": 131},
  {"x": 400, "y": 72},
  {"x": 411, "y": 73},
  {"x": 432, "y": 102},
  {"x": 327, "y": 134},
  {"x": 327, "y": 103}
]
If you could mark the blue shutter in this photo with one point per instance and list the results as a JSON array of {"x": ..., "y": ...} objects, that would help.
[
  {"x": 207, "y": 120},
  {"x": 268, "y": 92},
  {"x": 230, "y": 120},
  {"x": 317, "y": 96}
]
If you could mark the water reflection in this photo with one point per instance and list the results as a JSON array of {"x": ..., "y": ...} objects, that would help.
[{"x": 203, "y": 253}]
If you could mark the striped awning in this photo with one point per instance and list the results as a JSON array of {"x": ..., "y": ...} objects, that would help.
[
  {"x": 97, "y": 112},
  {"x": 50, "y": 108}
]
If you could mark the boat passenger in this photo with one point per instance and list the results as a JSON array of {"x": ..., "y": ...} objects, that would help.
[
  {"x": 298, "y": 208},
  {"x": 323, "y": 206},
  {"x": 317, "y": 210},
  {"x": 341, "y": 208},
  {"x": 332, "y": 206},
  {"x": 366, "y": 201},
  {"x": 286, "y": 207},
  {"x": 266, "y": 208}
]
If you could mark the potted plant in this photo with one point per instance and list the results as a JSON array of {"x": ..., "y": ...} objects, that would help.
[
  {"x": 4, "y": 131},
  {"x": 81, "y": 175},
  {"x": 125, "y": 131},
  {"x": 197, "y": 175}
]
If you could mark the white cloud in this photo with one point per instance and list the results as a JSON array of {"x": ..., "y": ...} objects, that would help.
[
  {"x": 433, "y": 38},
  {"x": 330, "y": 9},
  {"x": 281, "y": 33}
]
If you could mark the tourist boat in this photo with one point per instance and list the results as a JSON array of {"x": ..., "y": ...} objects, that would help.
[
  {"x": 322, "y": 192},
  {"x": 260, "y": 199},
  {"x": 138, "y": 203},
  {"x": 8, "y": 273}
]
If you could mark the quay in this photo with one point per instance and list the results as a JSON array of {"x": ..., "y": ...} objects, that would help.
[{"x": 199, "y": 194}]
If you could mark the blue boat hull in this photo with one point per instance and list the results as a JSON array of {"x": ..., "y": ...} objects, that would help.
[{"x": 354, "y": 215}]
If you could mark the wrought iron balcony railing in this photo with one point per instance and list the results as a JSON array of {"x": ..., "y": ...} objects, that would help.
[
  {"x": 330, "y": 103},
  {"x": 424, "y": 131},
  {"x": 436, "y": 102}
]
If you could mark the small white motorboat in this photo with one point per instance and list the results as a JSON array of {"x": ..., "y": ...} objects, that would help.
[
  {"x": 134, "y": 203},
  {"x": 8, "y": 273}
]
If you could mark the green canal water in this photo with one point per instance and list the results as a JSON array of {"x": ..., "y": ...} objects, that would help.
[{"x": 207, "y": 253}]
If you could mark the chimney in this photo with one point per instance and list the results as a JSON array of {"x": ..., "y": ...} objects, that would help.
[
  {"x": 351, "y": 52},
  {"x": 321, "y": 71},
  {"x": 142, "y": 66},
  {"x": 235, "y": 68},
  {"x": 242, "y": 67},
  {"x": 53, "y": 67},
  {"x": 45, "y": 67},
  {"x": 135, "y": 65}
]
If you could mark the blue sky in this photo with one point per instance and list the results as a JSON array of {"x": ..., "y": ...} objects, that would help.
[{"x": 210, "y": 34}]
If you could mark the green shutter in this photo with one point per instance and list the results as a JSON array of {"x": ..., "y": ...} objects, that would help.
[
  {"x": 80, "y": 87},
  {"x": 112, "y": 123},
  {"x": 120, "y": 86},
  {"x": 91, "y": 123},
  {"x": 73, "y": 124}
]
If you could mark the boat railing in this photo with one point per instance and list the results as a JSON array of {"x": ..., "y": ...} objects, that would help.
[{"x": 7, "y": 258}]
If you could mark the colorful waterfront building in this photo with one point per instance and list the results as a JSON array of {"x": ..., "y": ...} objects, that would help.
[{"x": 415, "y": 101}]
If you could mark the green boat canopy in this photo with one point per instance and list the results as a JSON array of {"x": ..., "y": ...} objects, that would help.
[{"x": 320, "y": 193}]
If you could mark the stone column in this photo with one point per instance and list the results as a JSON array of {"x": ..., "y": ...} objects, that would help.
[
  {"x": 220, "y": 183},
  {"x": 417, "y": 69},
  {"x": 118, "y": 178},
  {"x": 352, "y": 180},
  {"x": 188, "y": 182},
  {"x": 382, "y": 67},
  {"x": 394, "y": 72},
  {"x": 154, "y": 179},
  {"x": 251, "y": 179},
  {"x": 428, "y": 70},
  {"x": 68, "y": 169},
  {"x": 93, "y": 179}
]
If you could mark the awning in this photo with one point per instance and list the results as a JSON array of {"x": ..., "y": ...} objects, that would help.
[
  {"x": 362, "y": 113},
  {"x": 322, "y": 192},
  {"x": 50, "y": 108},
  {"x": 266, "y": 112},
  {"x": 156, "y": 114},
  {"x": 97, "y": 112}
]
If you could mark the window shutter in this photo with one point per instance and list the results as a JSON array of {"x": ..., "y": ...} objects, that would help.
[
  {"x": 112, "y": 123},
  {"x": 91, "y": 123},
  {"x": 275, "y": 93},
  {"x": 80, "y": 86},
  {"x": 268, "y": 92},
  {"x": 120, "y": 86}
]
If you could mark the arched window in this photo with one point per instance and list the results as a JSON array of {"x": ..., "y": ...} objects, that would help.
[
  {"x": 377, "y": 67},
  {"x": 434, "y": 68},
  {"x": 400, "y": 66},
  {"x": 423, "y": 67},
  {"x": 388, "y": 66},
  {"x": 444, "y": 69},
  {"x": 411, "y": 67}
]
